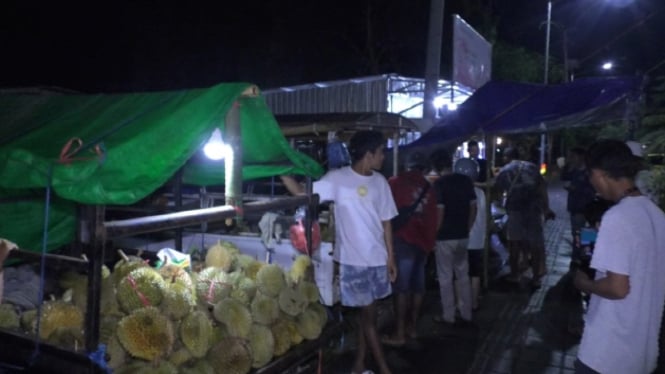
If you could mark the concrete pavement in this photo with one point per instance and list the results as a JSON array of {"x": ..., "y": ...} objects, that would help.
[{"x": 516, "y": 329}]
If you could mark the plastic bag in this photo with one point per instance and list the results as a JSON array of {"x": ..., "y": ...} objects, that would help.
[{"x": 297, "y": 233}]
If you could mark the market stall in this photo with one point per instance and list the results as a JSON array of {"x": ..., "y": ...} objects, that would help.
[{"x": 68, "y": 160}]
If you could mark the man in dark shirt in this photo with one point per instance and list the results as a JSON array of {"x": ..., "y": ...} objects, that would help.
[
  {"x": 474, "y": 154},
  {"x": 580, "y": 192},
  {"x": 456, "y": 206}
]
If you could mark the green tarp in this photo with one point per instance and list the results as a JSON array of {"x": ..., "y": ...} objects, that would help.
[{"x": 122, "y": 147}]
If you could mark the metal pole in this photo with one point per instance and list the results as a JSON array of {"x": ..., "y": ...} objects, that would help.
[
  {"x": 543, "y": 139},
  {"x": 233, "y": 162},
  {"x": 433, "y": 62}
]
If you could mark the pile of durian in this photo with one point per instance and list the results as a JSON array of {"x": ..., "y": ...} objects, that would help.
[{"x": 233, "y": 315}]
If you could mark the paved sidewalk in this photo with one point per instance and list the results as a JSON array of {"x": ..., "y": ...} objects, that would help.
[{"x": 517, "y": 330}]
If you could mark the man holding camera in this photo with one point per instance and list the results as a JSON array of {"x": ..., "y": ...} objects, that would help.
[{"x": 628, "y": 291}]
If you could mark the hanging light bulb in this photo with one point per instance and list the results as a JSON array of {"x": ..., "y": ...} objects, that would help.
[{"x": 215, "y": 149}]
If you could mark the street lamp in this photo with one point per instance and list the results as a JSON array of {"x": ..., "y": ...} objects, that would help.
[
  {"x": 548, "y": 28},
  {"x": 607, "y": 66}
]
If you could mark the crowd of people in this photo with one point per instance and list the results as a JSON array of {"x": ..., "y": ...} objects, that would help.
[
  {"x": 444, "y": 212},
  {"x": 447, "y": 217}
]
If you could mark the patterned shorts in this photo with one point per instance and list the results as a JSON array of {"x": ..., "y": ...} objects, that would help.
[{"x": 361, "y": 285}]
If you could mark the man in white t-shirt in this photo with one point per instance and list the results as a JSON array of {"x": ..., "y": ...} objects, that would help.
[
  {"x": 627, "y": 295},
  {"x": 363, "y": 208}
]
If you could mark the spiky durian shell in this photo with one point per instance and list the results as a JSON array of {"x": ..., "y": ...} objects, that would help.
[
  {"x": 281, "y": 334},
  {"x": 248, "y": 265},
  {"x": 308, "y": 324},
  {"x": 222, "y": 255},
  {"x": 265, "y": 309},
  {"x": 299, "y": 269},
  {"x": 270, "y": 280},
  {"x": 116, "y": 353},
  {"x": 70, "y": 338},
  {"x": 178, "y": 301},
  {"x": 291, "y": 301},
  {"x": 246, "y": 284},
  {"x": 57, "y": 314},
  {"x": 309, "y": 291},
  {"x": 234, "y": 315},
  {"x": 231, "y": 356},
  {"x": 9, "y": 318},
  {"x": 262, "y": 343},
  {"x": 161, "y": 367},
  {"x": 212, "y": 285},
  {"x": 321, "y": 313},
  {"x": 175, "y": 274},
  {"x": 294, "y": 334},
  {"x": 122, "y": 268},
  {"x": 140, "y": 288},
  {"x": 198, "y": 367},
  {"x": 146, "y": 334},
  {"x": 180, "y": 357},
  {"x": 196, "y": 333},
  {"x": 28, "y": 320}
]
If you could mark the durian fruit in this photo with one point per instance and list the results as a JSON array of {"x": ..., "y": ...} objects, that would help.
[
  {"x": 57, "y": 314},
  {"x": 222, "y": 255},
  {"x": 68, "y": 338},
  {"x": 132, "y": 367},
  {"x": 219, "y": 332},
  {"x": 125, "y": 266},
  {"x": 78, "y": 284},
  {"x": 321, "y": 312},
  {"x": 175, "y": 274},
  {"x": 262, "y": 343},
  {"x": 231, "y": 356},
  {"x": 291, "y": 301},
  {"x": 244, "y": 283},
  {"x": 196, "y": 333},
  {"x": 180, "y": 357},
  {"x": 178, "y": 301},
  {"x": 108, "y": 302},
  {"x": 212, "y": 285},
  {"x": 241, "y": 296},
  {"x": 161, "y": 367},
  {"x": 29, "y": 320},
  {"x": 117, "y": 356},
  {"x": 308, "y": 324},
  {"x": 146, "y": 334},
  {"x": 248, "y": 265},
  {"x": 107, "y": 327},
  {"x": 70, "y": 279},
  {"x": 198, "y": 367},
  {"x": 281, "y": 334},
  {"x": 9, "y": 319},
  {"x": 235, "y": 316},
  {"x": 294, "y": 334},
  {"x": 270, "y": 280},
  {"x": 106, "y": 272},
  {"x": 299, "y": 269},
  {"x": 309, "y": 290},
  {"x": 142, "y": 287},
  {"x": 265, "y": 310}
]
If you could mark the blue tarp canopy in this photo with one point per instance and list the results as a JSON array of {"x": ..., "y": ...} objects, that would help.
[{"x": 511, "y": 107}]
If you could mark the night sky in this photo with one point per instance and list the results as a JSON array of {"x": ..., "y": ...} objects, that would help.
[{"x": 125, "y": 46}]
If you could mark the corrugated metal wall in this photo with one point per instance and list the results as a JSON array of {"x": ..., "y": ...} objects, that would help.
[{"x": 348, "y": 96}]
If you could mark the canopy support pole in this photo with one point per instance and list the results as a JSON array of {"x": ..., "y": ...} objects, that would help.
[{"x": 233, "y": 162}]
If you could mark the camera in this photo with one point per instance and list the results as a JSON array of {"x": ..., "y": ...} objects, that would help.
[{"x": 587, "y": 240}]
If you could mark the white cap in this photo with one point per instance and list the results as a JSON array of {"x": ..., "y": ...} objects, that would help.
[{"x": 635, "y": 147}]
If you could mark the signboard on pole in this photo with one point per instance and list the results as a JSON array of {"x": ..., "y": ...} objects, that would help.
[{"x": 472, "y": 55}]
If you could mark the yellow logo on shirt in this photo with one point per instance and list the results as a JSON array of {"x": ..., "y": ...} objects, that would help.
[{"x": 362, "y": 191}]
